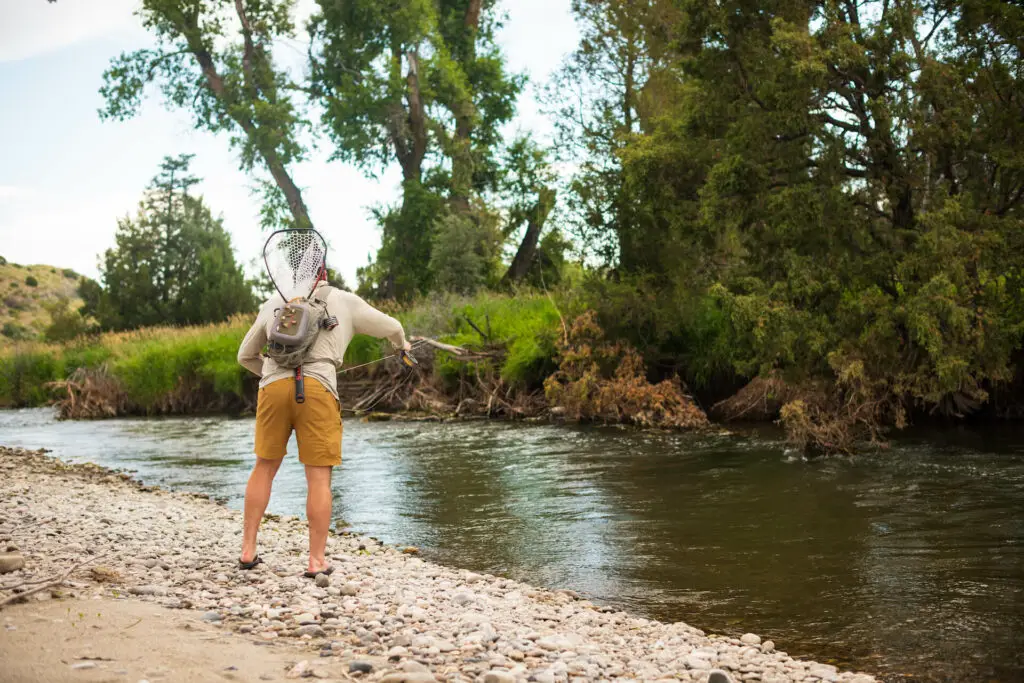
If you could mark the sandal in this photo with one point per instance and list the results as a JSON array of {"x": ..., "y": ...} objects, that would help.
[
  {"x": 251, "y": 564},
  {"x": 328, "y": 570}
]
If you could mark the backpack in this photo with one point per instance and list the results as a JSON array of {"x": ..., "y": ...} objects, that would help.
[{"x": 296, "y": 327}]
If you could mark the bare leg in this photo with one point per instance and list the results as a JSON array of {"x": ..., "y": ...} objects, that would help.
[
  {"x": 318, "y": 512},
  {"x": 257, "y": 495}
]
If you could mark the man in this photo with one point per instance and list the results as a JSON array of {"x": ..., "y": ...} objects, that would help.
[{"x": 316, "y": 421}]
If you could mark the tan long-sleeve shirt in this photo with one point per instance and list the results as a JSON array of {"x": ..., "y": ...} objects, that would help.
[{"x": 355, "y": 316}]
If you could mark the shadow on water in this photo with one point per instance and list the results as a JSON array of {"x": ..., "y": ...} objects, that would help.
[{"x": 905, "y": 562}]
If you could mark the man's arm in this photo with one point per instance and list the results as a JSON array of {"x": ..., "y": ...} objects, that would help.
[
  {"x": 252, "y": 345},
  {"x": 368, "y": 320}
]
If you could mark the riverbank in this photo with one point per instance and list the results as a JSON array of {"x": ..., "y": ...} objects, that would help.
[{"x": 383, "y": 608}]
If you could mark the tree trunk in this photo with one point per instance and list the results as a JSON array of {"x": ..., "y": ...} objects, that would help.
[
  {"x": 215, "y": 83},
  {"x": 465, "y": 112},
  {"x": 527, "y": 252}
]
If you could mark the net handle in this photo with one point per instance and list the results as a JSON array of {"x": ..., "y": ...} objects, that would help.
[{"x": 266, "y": 264}]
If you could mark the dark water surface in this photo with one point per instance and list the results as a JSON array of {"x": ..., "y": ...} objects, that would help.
[{"x": 908, "y": 562}]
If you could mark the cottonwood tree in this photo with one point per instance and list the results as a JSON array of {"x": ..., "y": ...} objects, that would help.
[
  {"x": 420, "y": 83},
  {"x": 213, "y": 59}
]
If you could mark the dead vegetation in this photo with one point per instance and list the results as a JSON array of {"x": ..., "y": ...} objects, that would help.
[{"x": 602, "y": 381}]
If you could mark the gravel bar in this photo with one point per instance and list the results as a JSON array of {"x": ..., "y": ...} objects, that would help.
[{"x": 383, "y": 615}]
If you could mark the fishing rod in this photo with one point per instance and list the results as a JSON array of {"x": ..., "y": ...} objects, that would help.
[{"x": 406, "y": 357}]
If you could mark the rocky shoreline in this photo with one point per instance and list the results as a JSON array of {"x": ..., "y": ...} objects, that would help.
[{"x": 384, "y": 615}]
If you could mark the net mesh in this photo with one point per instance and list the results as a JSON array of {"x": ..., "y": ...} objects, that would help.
[{"x": 293, "y": 259}]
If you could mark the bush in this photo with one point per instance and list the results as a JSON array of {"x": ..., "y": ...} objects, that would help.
[
  {"x": 3, "y": 261},
  {"x": 31, "y": 281},
  {"x": 65, "y": 323},
  {"x": 69, "y": 274},
  {"x": 14, "y": 331},
  {"x": 15, "y": 302}
]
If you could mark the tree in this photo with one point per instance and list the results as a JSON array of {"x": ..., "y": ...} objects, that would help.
[
  {"x": 65, "y": 323},
  {"x": 214, "y": 59},
  {"x": 421, "y": 83},
  {"x": 172, "y": 264},
  {"x": 596, "y": 99},
  {"x": 529, "y": 181},
  {"x": 465, "y": 252}
]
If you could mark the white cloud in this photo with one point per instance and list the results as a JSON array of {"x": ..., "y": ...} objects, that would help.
[
  {"x": 29, "y": 28},
  {"x": 10, "y": 193}
]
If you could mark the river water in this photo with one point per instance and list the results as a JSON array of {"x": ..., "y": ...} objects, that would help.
[{"x": 908, "y": 562}]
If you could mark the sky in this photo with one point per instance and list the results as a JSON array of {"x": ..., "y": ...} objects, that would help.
[{"x": 66, "y": 177}]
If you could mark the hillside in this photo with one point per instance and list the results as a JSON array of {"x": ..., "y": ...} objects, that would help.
[{"x": 25, "y": 292}]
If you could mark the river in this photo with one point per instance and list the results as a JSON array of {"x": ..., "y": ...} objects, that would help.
[{"x": 908, "y": 562}]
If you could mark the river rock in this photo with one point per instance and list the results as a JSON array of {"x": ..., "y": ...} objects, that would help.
[
  {"x": 750, "y": 639},
  {"x": 11, "y": 562},
  {"x": 499, "y": 677},
  {"x": 322, "y": 580},
  {"x": 311, "y": 630},
  {"x": 409, "y": 677},
  {"x": 300, "y": 670},
  {"x": 825, "y": 672},
  {"x": 360, "y": 666}
]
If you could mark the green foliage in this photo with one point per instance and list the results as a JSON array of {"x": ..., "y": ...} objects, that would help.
[
  {"x": 65, "y": 323},
  {"x": 151, "y": 366},
  {"x": 525, "y": 324},
  {"x": 70, "y": 274},
  {"x": 24, "y": 374},
  {"x": 172, "y": 264},
  {"x": 215, "y": 61},
  {"x": 423, "y": 83},
  {"x": 464, "y": 256},
  {"x": 31, "y": 281},
  {"x": 16, "y": 332}
]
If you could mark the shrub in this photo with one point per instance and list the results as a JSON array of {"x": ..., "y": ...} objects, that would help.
[
  {"x": 3, "y": 261},
  {"x": 69, "y": 274},
  {"x": 31, "y": 281},
  {"x": 65, "y": 323},
  {"x": 13, "y": 330},
  {"x": 601, "y": 381},
  {"x": 15, "y": 302}
]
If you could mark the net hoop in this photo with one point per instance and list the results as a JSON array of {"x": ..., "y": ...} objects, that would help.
[{"x": 294, "y": 258}]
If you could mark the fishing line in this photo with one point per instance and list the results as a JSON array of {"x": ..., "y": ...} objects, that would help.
[{"x": 412, "y": 347}]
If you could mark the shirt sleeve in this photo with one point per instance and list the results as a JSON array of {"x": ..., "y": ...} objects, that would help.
[
  {"x": 368, "y": 320},
  {"x": 255, "y": 339}
]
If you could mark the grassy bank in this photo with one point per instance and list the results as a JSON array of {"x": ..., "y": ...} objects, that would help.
[{"x": 153, "y": 365}]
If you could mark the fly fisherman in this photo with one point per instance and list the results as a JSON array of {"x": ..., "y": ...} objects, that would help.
[{"x": 286, "y": 402}]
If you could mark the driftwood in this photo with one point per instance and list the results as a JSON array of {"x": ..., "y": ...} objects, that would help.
[{"x": 52, "y": 583}]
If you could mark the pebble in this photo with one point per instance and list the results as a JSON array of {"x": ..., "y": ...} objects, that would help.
[
  {"x": 322, "y": 580},
  {"x": 84, "y": 665},
  {"x": 11, "y": 562},
  {"x": 499, "y": 677},
  {"x": 311, "y": 630},
  {"x": 389, "y": 616},
  {"x": 404, "y": 677}
]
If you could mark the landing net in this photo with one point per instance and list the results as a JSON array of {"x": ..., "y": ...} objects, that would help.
[{"x": 294, "y": 259}]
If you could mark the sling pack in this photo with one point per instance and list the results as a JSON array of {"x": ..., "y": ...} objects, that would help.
[{"x": 296, "y": 262}]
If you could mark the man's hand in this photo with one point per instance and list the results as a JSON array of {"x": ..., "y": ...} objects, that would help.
[{"x": 407, "y": 347}]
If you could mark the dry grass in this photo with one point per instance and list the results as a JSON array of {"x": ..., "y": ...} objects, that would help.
[{"x": 25, "y": 305}]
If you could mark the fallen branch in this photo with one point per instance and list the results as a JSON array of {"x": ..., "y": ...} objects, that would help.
[{"x": 52, "y": 584}]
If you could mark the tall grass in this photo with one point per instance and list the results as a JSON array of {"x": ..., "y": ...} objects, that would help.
[
  {"x": 149, "y": 363},
  {"x": 152, "y": 363}
]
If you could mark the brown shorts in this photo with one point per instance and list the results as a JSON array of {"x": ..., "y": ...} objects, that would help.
[{"x": 317, "y": 423}]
